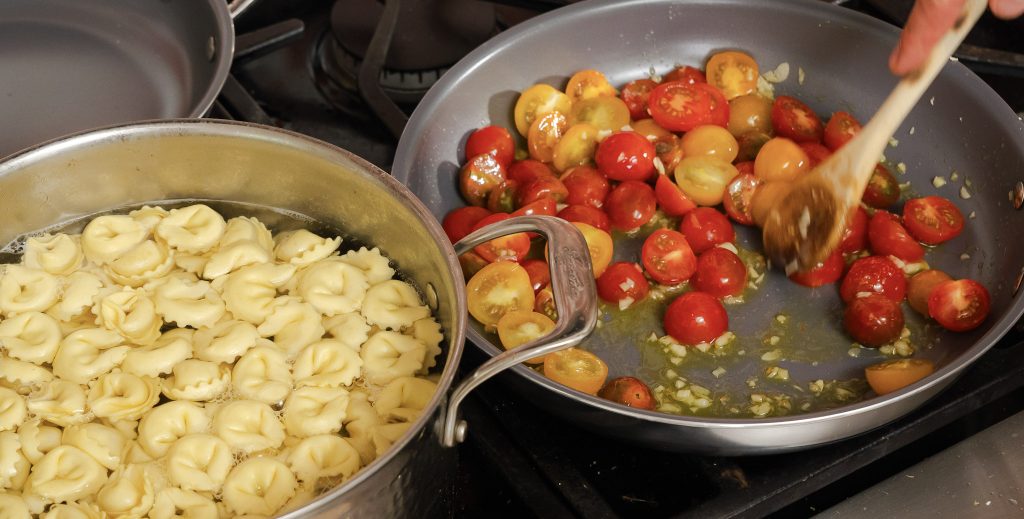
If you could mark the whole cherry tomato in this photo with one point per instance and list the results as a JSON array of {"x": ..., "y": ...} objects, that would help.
[
  {"x": 705, "y": 227},
  {"x": 628, "y": 391},
  {"x": 873, "y": 275},
  {"x": 828, "y": 271},
  {"x": 873, "y": 320},
  {"x": 630, "y": 205},
  {"x": 494, "y": 140},
  {"x": 586, "y": 186},
  {"x": 626, "y": 156},
  {"x": 460, "y": 221},
  {"x": 479, "y": 176},
  {"x": 526, "y": 171},
  {"x": 921, "y": 286},
  {"x": 840, "y": 129},
  {"x": 696, "y": 317},
  {"x": 587, "y": 215},
  {"x": 635, "y": 95},
  {"x": 720, "y": 272}
]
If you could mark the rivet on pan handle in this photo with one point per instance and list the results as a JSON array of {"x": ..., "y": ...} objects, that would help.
[
  {"x": 1018, "y": 195},
  {"x": 572, "y": 284}
]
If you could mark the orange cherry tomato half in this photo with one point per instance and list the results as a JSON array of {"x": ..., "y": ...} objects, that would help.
[
  {"x": 711, "y": 141},
  {"x": 471, "y": 263},
  {"x": 733, "y": 72},
  {"x": 522, "y": 326},
  {"x": 896, "y": 374},
  {"x": 605, "y": 113},
  {"x": 920, "y": 288},
  {"x": 497, "y": 289},
  {"x": 781, "y": 159},
  {"x": 588, "y": 84},
  {"x": 577, "y": 369},
  {"x": 628, "y": 391},
  {"x": 766, "y": 197},
  {"x": 576, "y": 148},
  {"x": 750, "y": 113},
  {"x": 544, "y": 134},
  {"x": 704, "y": 179},
  {"x": 536, "y": 101}
]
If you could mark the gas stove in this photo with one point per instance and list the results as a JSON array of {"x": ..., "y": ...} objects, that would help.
[{"x": 334, "y": 71}]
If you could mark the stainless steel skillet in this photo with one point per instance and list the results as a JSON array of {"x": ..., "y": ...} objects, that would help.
[{"x": 837, "y": 60}]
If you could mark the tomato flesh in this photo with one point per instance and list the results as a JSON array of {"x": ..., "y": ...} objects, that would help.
[
  {"x": 873, "y": 275},
  {"x": 893, "y": 375},
  {"x": 587, "y": 215},
  {"x": 873, "y": 320},
  {"x": 816, "y": 153},
  {"x": 543, "y": 207},
  {"x": 512, "y": 247},
  {"x": 705, "y": 227},
  {"x": 543, "y": 187},
  {"x": 493, "y": 140},
  {"x": 621, "y": 281},
  {"x": 882, "y": 191},
  {"x": 626, "y": 156},
  {"x": 720, "y": 272},
  {"x": 522, "y": 326},
  {"x": 921, "y": 286},
  {"x": 526, "y": 171},
  {"x": 739, "y": 195},
  {"x": 696, "y": 317},
  {"x": 670, "y": 198},
  {"x": 479, "y": 176},
  {"x": 681, "y": 107},
  {"x": 635, "y": 95},
  {"x": 794, "y": 120},
  {"x": 840, "y": 129},
  {"x": 889, "y": 238},
  {"x": 932, "y": 219},
  {"x": 959, "y": 305},
  {"x": 828, "y": 271},
  {"x": 733, "y": 72},
  {"x": 667, "y": 257},
  {"x": 628, "y": 391},
  {"x": 497, "y": 289},
  {"x": 630, "y": 205},
  {"x": 540, "y": 274},
  {"x": 460, "y": 221},
  {"x": 855, "y": 236},
  {"x": 686, "y": 74},
  {"x": 577, "y": 369}
]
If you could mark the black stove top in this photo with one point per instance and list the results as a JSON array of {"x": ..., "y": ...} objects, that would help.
[{"x": 518, "y": 460}]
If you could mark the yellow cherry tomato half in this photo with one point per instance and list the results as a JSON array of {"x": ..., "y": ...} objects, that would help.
[
  {"x": 605, "y": 113},
  {"x": 544, "y": 134},
  {"x": 896, "y": 374},
  {"x": 536, "y": 101},
  {"x": 710, "y": 140},
  {"x": 497, "y": 289},
  {"x": 600, "y": 245},
  {"x": 588, "y": 84},
  {"x": 704, "y": 179},
  {"x": 576, "y": 147},
  {"x": 732, "y": 72},
  {"x": 750, "y": 113},
  {"x": 650, "y": 129},
  {"x": 577, "y": 369},
  {"x": 781, "y": 159},
  {"x": 520, "y": 327}
]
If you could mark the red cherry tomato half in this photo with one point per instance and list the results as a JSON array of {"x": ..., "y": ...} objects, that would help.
[
  {"x": 816, "y": 153},
  {"x": 873, "y": 275},
  {"x": 681, "y": 107},
  {"x": 855, "y": 236},
  {"x": 586, "y": 186},
  {"x": 882, "y": 191},
  {"x": 796, "y": 121},
  {"x": 628, "y": 391},
  {"x": 540, "y": 275},
  {"x": 959, "y": 305},
  {"x": 512, "y": 247},
  {"x": 502, "y": 199},
  {"x": 479, "y": 176},
  {"x": 874, "y": 320},
  {"x": 828, "y": 271},
  {"x": 622, "y": 280},
  {"x": 667, "y": 257},
  {"x": 920, "y": 288},
  {"x": 543, "y": 187},
  {"x": 696, "y": 317},
  {"x": 587, "y": 215},
  {"x": 626, "y": 156},
  {"x": 670, "y": 198},
  {"x": 889, "y": 238},
  {"x": 526, "y": 171},
  {"x": 542, "y": 207},
  {"x": 460, "y": 221},
  {"x": 932, "y": 219},
  {"x": 840, "y": 129},
  {"x": 494, "y": 140},
  {"x": 738, "y": 196},
  {"x": 630, "y": 205},
  {"x": 720, "y": 272},
  {"x": 686, "y": 74},
  {"x": 705, "y": 227},
  {"x": 635, "y": 95}
]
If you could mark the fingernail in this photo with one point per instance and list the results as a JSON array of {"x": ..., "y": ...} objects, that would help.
[{"x": 1008, "y": 8}]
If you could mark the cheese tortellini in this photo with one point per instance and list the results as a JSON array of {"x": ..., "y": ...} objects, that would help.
[{"x": 171, "y": 363}]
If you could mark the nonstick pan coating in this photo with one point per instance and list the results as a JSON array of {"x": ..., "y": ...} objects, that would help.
[{"x": 837, "y": 61}]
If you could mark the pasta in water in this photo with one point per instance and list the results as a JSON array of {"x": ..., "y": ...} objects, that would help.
[{"x": 173, "y": 364}]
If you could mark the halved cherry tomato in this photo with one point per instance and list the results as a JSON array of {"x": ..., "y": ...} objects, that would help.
[
  {"x": 739, "y": 195},
  {"x": 543, "y": 207},
  {"x": 502, "y": 199},
  {"x": 766, "y": 197},
  {"x": 666, "y": 144},
  {"x": 497, "y": 289},
  {"x": 479, "y": 176},
  {"x": 816, "y": 153},
  {"x": 600, "y": 246},
  {"x": 522, "y": 326},
  {"x": 511, "y": 247},
  {"x": 720, "y": 272},
  {"x": 626, "y": 156},
  {"x": 882, "y": 191},
  {"x": 526, "y": 171},
  {"x": 855, "y": 236},
  {"x": 586, "y": 185},
  {"x": 544, "y": 134},
  {"x": 494, "y": 140},
  {"x": 471, "y": 263},
  {"x": 681, "y": 107},
  {"x": 750, "y": 144},
  {"x": 545, "y": 303},
  {"x": 710, "y": 140},
  {"x": 932, "y": 219},
  {"x": 704, "y": 179},
  {"x": 828, "y": 271},
  {"x": 670, "y": 198},
  {"x": 587, "y": 215},
  {"x": 635, "y": 95},
  {"x": 873, "y": 275},
  {"x": 588, "y": 84},
  {"x": 873, "y": 320},
  {"x": 889, "y": 238},
  {"x": 892, "y": 375},
  {"x": 577, "y": 369},
  {"x": 696, "y": 317},
  {"x": 540, "y": 275},
  {"x": 576, "y": 147},
  {"x": 686, "y": 74},
  {"x": 667, "y": 257},
  {"x": 959, "y": 305},
  {"x": 794, "y": 120},
  {"x": 920, "y": 288},
  {"x": 840, "y": 129},
  {"x": 705, "y": 227},
  {"x": 781, "y": 159},
  {"x": 628, "y": 391},
  {"x": 630, "y": 205},
  {"x": 536, "y": 101},
  {"x": 750, "y": 113},
  {"x": 605, "y": 113},
  {"x": 460, "y": 221},
  {"x": 543, "y": 187},
  {"x": 622, "y": 280},
  {"x": 732, "y": 72}
]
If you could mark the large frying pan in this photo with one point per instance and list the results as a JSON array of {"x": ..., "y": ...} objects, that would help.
[
  {"x": 960, "y": 125},
  {"x": 71, "y": 65}
]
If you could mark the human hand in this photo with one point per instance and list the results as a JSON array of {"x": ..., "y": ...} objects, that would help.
[{"x": 929, "y": 20}]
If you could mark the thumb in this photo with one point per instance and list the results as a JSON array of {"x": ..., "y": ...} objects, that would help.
[
  {"x": 1007, "y": 9},
  {"x": 929, "y": 20}
]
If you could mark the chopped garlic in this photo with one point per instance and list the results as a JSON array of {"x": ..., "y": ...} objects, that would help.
[
  {"x": 675, "y": 360},
  {"x": 653, "y": 337},
  {"x": 817, "y": 386},
  {"x": 912, "y": 130},
  {"x": 903, "y": 348},
  {"x": 902, "y": 168},
  {"x": 671, "y": 374},
  {"x": 853, "y": 351},
  {"x": 781, "y": 318},
  {"x": 602, "y": 134},
  {"x": 703, "y": 347},
  {"x": 774, "y": 339},
  {"x": 725, "y": 338},
  {"x": 729, "y": 247},
  {"x": 718, "y": 372},
  {"x": 627, "y": 284},
  {"x": 778, "y": 75},
  {"x": 954, "y": 176},
  {"x": 678, "y": 349},
  {"x": 964, "y": 193},
  {"x": 965, "y": 257},
  {"x": 773, "y": 355},
  {"x": 967, "y": 182},
  {"x": 805, "y": 222},
  {"x": 658, "y": 164},
  {"x": 625, "y": 303},
  {"x": 777, "y": 373},
  {"x": 800, "y": 75},
  {"x": 766, "y": 89},
  {"x": 904, "y": 333},
  {"x": 972, "y": 215},
  {"x": 859, "y": 295},
  {"x": 893, "y": 142},
  {"x": 932, "y": 101}
]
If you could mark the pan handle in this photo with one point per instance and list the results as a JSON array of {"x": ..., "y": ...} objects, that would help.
[
  {"x": 572, "y": 284},
  {"x": 237, "y": 7}
]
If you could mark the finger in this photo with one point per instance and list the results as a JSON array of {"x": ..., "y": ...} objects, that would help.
[
  {"x": 929, "y": 20},
  {"x": 1007, "y": 9}
]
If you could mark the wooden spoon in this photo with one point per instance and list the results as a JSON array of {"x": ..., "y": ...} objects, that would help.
[{"x": 808, "y": 223}]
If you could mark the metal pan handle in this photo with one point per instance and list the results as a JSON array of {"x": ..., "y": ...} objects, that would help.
[
  {"x": 237, "y": 7},
  {"x": 572, "y": 284}
]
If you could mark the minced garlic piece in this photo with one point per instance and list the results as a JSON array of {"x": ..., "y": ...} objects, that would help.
[
  {"x": 854, "y": 351},
  {"x": 773, "y": 355},
  {"x": 893, "y": 142},
  {"x": 965, "y": 257},
  {"x": 718, "y": 372},
  {"x": 729, "y": 247},
  {"x": 800, "y": 75},
  {"x": 780, "y": 74},
  {"x": 777, "y": 373},
  {"x": 781, "y": 318},
  {"x": 774, "y": 339},
  {"x": 964, "y": 193},
  {"x": 902, "y": 168}
]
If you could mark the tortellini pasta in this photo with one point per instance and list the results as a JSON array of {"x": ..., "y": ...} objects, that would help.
[
  {"x": 293, "y": 325},
  {"x": 60, "y": 402},
  {"x": 248, "y": 426},
  {"x": 129, "y": 492},
  {"x": 166, "y": 423},
  {"x": 123, "y": 396},
  {"x": 249, "y": 292},
  {"x": 302, "y": 247},
  {"x": 159, "y": 358},
  {"x": 188, "y": 302},
  {"x": 132, "y": 314},
  {"x": 225, "y": 341},
  {"x": 58, "y": 254},
  {"x": 38, "y": 439},
  {"x": 323, "y": 455},
  {"x": 24, "y": 289},
  {"x": 173, "y": 502},
  {"x": 360, "y": 420},
  {"x": 199, "y": 462},
  {"x": 350, "y": 329},
  {"x": 393, "y": 304},
  {"x": 73, "y": 511},
  {"x": 309, "y": 411},
  {"x": 326, "y": 363},
  {"x": 333, "y": 287},
  {"x": 404, "y": 399},
  {"x": 144, "y": 262},
  {"x": 262, "y": 374},
  {"x": 31, "y": 336},
  {"x": 12, "y": 409},
  {"x": 23, "y": 377},
  {"x": 259, "y": 486},
  {"x": 104, "y": 443},
  {"x": 195, "y": 228},
  {"x": 389, "y": 355},
  {"x": 86, "y": 354},
  {"x": 80, "y": 288},
  {"x": 374, "y": 265},
  {"x": 14, "y": 465},
  {"x": 197, "y": 380},
  {"x": 65, "y": 474},
  {"x": 13, "y": 506},
  {"x": 108, "y": 237}
]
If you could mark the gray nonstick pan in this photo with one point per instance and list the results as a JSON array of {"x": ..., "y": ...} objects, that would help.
[
  {"x": 836, "y": 60},
  {"x": 71, "y": 65}
]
